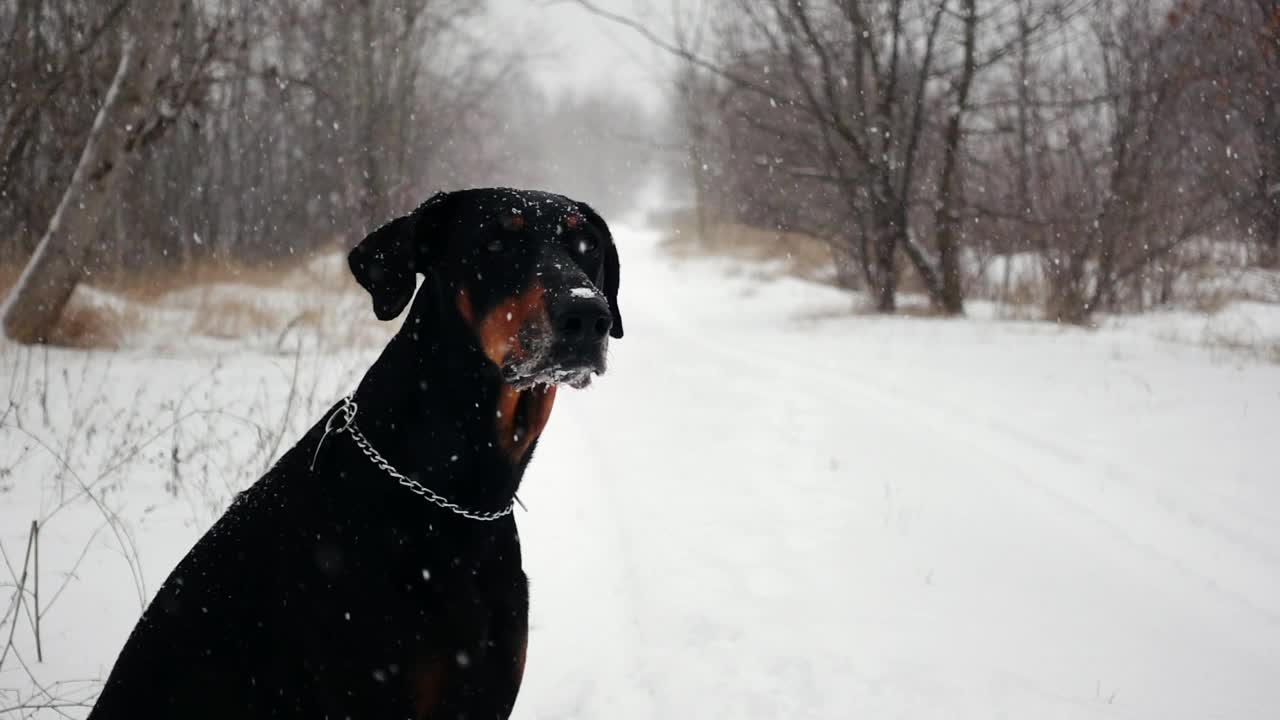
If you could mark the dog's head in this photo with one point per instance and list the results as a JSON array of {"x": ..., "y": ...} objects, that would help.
[{"x": 533, "y": 274}]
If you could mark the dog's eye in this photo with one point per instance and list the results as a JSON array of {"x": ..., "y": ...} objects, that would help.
[
  {"x": 494, "y": 245},
  {"x": 584, "y": 245}
]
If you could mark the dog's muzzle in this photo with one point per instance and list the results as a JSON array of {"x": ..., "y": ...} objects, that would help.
[{"x": 570, "y": 347}]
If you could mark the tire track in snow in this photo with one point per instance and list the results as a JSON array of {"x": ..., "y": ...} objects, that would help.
[
  {"x": 1050, "y": 458},
  {"x": 692, "y": 544},
  {"x": 584, "y": 623}
]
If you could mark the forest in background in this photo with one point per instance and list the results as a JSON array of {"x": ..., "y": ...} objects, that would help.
[
  {"x": 1098, "y": 152},
  {"x": 276, "y": 129},
  {"x": 1075, "y": 156}
]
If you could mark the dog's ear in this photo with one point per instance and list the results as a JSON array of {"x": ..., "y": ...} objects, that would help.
[
  {"x": 611, "y": 266},
  {"x": 384, "y": 263}
]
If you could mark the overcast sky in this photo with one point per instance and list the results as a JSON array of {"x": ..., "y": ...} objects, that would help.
[{"x": 574, "y": 48}]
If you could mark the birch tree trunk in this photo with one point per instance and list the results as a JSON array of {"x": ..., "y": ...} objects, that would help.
[{"x": 37, "y": 300}]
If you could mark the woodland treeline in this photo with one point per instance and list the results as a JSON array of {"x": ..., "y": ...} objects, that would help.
[
  {"x": 1099, "y": 141},
  {"x": 1109, "y": 147},
  {"x": 276, "y": 128}
]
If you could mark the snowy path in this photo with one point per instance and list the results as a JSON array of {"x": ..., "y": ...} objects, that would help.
[
  {"x": 769, "y": 508},
  {"x": 774, "y": 522}
]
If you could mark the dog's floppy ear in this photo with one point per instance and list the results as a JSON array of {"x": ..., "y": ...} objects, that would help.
[
  {"x": 384, "y": 263},
  {"x": 611, "y": 267}
]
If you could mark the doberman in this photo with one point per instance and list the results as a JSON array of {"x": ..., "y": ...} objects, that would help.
[{"x": 374, "y": 571}]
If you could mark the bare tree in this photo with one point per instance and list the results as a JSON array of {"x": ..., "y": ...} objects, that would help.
[
  {"x": 948, "y": 222},
  {"x": 276, "y": 128},
  {"x": 58, "y": 58},
  {"x": 46, "y": 284},
  {"x": 852, "y": 121},
  {"x": 692, "y": 92},
  {"x": 864, "y": 84},
  {"x": 1238, "y": 50},
  {"x": 1103, "y": 159}
]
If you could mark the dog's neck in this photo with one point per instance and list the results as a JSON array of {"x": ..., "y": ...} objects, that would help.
[{"x": 442, "y": 414}]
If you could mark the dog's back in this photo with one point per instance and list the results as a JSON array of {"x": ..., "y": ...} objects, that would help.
[{"x": 309, "y": 598}]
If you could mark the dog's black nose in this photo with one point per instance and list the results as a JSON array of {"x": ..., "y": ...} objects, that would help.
[{"x": 583, "y": 321}]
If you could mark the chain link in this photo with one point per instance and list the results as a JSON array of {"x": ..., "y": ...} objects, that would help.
[{"x": 347, "y": 413}]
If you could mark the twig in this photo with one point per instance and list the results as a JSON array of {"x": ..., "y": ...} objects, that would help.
[
  {"x": 35, "y": 584},
  {"x": 71, "y": 574},
  {"x": 114, "y": 522},
  {"x": 288, "y": 408},
  {"x": 289, "y": 326},
  {"x": 19, "y": 597}
]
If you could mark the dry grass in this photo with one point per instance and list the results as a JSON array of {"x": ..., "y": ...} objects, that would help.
[
  {"x": 1240, "y": 341},
  {"x": 1025, "y": 292},
  {"x": 223, "y": 315},
  {"x": 1212, "y": 296},
  {"x": 153, "y": 285},
  {"x": 1263, "y": 350},
  {"x": 800, "y": 255},
  {"x": 84, "y": 324},
  {"x": 87, "y": 326},
  {"x": 791, "y": 254},
  {"x": 1214, "y": 300},
  {"x": 319, "y": 299},
  {"x": 272, "y": 302},
  {"x": 779, "y": 254},
  {"x": 906, "y": 309}
]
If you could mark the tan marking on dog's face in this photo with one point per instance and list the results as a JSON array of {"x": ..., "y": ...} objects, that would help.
[
  {"x": 498, "y": 331},
  {"x": 518, "y": 427},
  {"x": 541, "y": 398},
  {"x": 464, "y": 307}
]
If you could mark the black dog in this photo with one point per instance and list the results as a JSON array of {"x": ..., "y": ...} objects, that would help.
[{"x": 375, "y": 571}]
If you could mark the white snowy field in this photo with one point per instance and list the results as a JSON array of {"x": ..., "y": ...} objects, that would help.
[{"x": 769, "y": 507}]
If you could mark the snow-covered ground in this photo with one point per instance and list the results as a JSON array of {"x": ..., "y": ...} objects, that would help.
[{"x": 769, "y": 507}]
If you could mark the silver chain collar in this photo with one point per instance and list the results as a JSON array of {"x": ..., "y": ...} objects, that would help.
[{"x": 343, "y": 419}]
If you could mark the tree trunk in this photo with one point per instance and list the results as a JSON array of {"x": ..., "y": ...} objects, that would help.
[
  {"x": 886, "y": 246},
  {"x": 951, "y": 297},
  {"x": 368, "y": 143},
  {"x": 845, "y": 259},
  {"x": 864, "y": 257},
  {"x": 887, "y": 276},
  {"x": 1265, "y": 131},
  {"x": 1269, "y": 189},
  {"x": 37, "y": 300},
  {"x": 1270, "y": 256},
  {"x": 1025, "y": 198},
  {"x": 1070, "y": 297}
]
